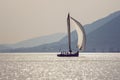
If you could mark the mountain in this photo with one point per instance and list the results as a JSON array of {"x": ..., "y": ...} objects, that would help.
[
  {"x": 38, "y": 41},
  {"x": 2, "y": 47},
  {"x": 105, "y": 38},
  {"x": 102, "y": 35},
  {"x": 101, "y": 22},
  {"x": 34, "y": 42}
]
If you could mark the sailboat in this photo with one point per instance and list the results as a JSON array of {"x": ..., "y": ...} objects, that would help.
[{"x": 81, "y": 38}]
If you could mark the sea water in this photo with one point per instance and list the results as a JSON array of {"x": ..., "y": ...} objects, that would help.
[{"x": 47, "y": 66}]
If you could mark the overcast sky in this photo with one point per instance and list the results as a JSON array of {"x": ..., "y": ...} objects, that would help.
[{"x": 25, "y": 19}]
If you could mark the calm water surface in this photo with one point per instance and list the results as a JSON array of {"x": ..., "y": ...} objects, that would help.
[{"x": 44, "y": 66}]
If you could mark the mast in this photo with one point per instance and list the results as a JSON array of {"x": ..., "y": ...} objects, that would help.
[{"x": 69, "y": 35}]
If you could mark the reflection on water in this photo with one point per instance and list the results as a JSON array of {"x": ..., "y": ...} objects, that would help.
[{"x": 51, "y": 67}]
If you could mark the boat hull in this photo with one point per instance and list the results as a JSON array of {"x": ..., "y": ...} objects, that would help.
[{"x": 68, "y": 54}]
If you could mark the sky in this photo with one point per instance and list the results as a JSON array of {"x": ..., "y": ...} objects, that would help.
[{"x": 26, "y": 19}]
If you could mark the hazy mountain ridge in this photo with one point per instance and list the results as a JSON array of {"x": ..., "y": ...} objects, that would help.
[
  {"x": 106, "y": 38},
  {"x": 91, "y": 27},
  {"x": 34, "y": 42},
  {"x": 102, "y": 35}
]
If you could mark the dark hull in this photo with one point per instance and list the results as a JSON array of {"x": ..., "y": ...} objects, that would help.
[{"x": 68, "y": 54}]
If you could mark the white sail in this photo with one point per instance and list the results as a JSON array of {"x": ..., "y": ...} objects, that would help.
[{"x": 80, "y": 32}]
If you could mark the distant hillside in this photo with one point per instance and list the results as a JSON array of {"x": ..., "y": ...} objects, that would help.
[
  {"x": 99, "y": 23},
  {"x": 102, "y": 35},
  {"x": 105, "y": 38},
  {"x": 39, "y": 41},
  {"x": 33, "y": 42},
  {"x": 2, "y": 47}
]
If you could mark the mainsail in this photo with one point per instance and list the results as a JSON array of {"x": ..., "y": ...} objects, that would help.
[{"x": 80, "y": 32}]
